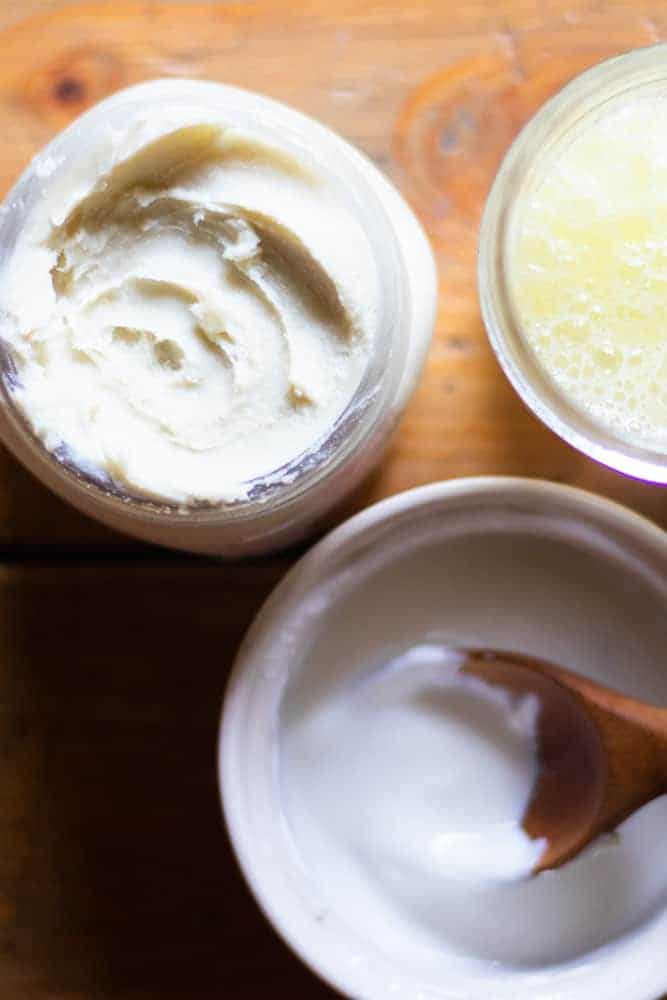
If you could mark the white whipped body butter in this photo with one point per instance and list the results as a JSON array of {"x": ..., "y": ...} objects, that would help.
[
  {"x": 213, "y": 311},
  {"x": 191, "y": 310}
]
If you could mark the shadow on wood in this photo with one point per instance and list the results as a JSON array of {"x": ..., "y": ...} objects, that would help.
[{"x": 116, "y": 875}]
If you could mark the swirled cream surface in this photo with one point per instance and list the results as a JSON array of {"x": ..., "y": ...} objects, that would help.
[{"x": 189, "y": 308}]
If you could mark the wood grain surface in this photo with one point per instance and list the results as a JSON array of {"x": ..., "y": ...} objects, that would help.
[{"x": 116, "y": 879}]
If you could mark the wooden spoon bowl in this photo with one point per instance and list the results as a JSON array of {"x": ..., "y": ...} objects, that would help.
[{"x": 602, "y": 755}]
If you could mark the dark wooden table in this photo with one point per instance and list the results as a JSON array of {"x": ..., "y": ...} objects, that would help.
[{"x": 116, "y": 878}]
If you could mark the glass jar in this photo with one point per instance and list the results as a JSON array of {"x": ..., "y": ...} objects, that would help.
[
  {"x": 611, "y": 84},
  {"x": 284, "y": 505}
]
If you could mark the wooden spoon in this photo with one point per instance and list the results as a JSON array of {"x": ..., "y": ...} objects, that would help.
[{"x": 602, "y": 755}]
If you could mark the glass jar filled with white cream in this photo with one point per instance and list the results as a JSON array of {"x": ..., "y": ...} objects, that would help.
[
  {"x": 213, "y": 312},
  {"x": 573, "y": 263}
]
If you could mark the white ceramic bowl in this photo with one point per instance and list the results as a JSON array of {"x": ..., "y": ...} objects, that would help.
[{"x": 590, "y": 538}]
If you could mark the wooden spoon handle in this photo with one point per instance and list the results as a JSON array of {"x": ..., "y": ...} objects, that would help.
[{"x": 633, "y": 736}]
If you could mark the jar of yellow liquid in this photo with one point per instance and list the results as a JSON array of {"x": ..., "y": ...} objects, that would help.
[{"x": 573, "y": 263}]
